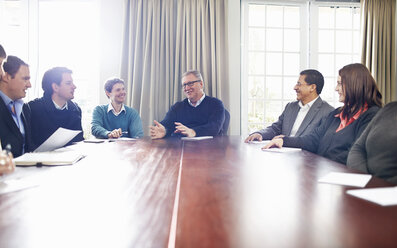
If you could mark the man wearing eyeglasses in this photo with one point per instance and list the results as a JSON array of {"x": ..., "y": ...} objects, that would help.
[
  {"x": 197, "y": 115},
  {"x": 302, "y": 116}
]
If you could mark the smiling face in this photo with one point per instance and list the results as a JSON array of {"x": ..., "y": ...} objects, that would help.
[
  {"x": 340, "y": 90},
  {"x": 304, "y": 92},
  {"x": 117, "y": 95},
  {"x": 17, "y": 85},
  {"x": 65, "y": 89},
  {"x": 194, "y": 91}
]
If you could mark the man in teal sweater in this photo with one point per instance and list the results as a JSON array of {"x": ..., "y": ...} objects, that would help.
[{"x": 116, "y": 120}]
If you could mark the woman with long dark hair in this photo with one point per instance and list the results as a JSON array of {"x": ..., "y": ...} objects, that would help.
[{"x": 336, "y": 133}]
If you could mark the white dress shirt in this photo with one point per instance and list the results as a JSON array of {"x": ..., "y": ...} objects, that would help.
[
  {"x": 110, "y": 108},
  {"x": 304, "y": 109},
  {"x": 198, "y": 102}
]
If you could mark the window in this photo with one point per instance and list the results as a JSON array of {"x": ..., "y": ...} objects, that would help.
[
  {"x": 65, "y": 33},
  {"x": 279, "y": 41}
]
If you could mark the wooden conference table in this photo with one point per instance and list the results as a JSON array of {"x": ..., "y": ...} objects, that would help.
[{"x": 209, "y": 193}]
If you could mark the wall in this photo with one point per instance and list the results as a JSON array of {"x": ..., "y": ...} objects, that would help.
[
  {"x": 234, "y": 66},
  {"x": 112, "y": 14}
]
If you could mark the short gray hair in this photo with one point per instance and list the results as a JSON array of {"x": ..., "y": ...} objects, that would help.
[{"x": 195, "y": 73}]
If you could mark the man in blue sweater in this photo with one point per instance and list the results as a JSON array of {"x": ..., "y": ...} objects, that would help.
[
  {"x": 115, "y": 120},
  {"x": 197, "y": 115}
]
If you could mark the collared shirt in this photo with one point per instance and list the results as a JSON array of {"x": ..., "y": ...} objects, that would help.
[
  {"x": 60, "y": 108},
  {"x": 198, "y": 102},
  {"x": 18, "y": 105},
  {"x": 304, "y": 109},
  {"x": 344, "y": 122},
  {"x": 110, "y": 108}
]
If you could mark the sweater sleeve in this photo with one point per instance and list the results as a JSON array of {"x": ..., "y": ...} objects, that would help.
[
  {"x": 135, "y": 129},
  {"x": 215, "y": 120},
  {"x": 97, "y": 123},
  {"x": 169, "y": 119}
]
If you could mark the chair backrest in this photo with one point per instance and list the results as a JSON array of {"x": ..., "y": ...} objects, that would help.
[{"x": 225, "y": 126}]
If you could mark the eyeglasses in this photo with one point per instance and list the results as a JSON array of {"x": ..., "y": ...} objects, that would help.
[
  {"x": 300, "y": 84},
  {"x": 190, "y": 84}
]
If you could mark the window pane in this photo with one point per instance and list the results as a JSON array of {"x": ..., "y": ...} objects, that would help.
[
  {"x": 356, "y": 59},
  {"x": 343, "y": 18},
  {"x": 291, "y": 17},
  {"x": 342, "y": 60},
  {"x": 326, "y": 17},
  {"x": 326, "y": 65},
  {"x": 329, "y": 89},
  {"x": 326, "y": 41},
  {"x": 291, "y": 40},
  {"x": 356, "y": 42},
  {"x": 274, "y": 38},
  {"x": 256, "y": 63},
  {"x": 289, "y": 84},
  {"x": 256, "y": 15},
  {"x": 343, "y": 41},
  {"x": 256, "y": 87},
  {"x": 255, "y": 111},
  {"x": 356, "y": 18},
  {"x": 273, "y": 64},
  {"x": 256, "y": 39},
  {"x": 255, "y": 127},
  {"x": 273, "y": 111},
  {"x": 273, "y": 87},
  {"x": 274, "y": 16},
  {"x": 291, "y": 64}
]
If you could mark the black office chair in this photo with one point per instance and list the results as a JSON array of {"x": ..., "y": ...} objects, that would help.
[{"x": 225, "y": 125}]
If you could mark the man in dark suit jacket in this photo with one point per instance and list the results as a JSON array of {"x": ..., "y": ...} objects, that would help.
[
  {"x": 56, "y": 108},
  {"x": 300, "y": 117},
  {"x": 14, "y": 114}
]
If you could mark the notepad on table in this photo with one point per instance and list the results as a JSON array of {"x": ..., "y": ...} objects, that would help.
[
  {"x": 197, "y": 138},
  {"x": 48, "y": 158}
]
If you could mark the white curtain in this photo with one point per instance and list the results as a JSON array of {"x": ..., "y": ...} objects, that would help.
[{"x": 163, "y": 39}]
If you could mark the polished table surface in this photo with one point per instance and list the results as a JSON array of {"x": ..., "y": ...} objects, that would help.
[{"x": 219, "y": 192}]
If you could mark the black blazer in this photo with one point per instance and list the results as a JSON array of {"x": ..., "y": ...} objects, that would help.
[{"x": 9, "y": 131}]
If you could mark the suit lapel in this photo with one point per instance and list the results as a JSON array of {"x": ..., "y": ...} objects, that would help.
[
  {"x": 291, "y": 117},
  {"x": 9, "y": 120},
  {"x": 310, "y": 115}
]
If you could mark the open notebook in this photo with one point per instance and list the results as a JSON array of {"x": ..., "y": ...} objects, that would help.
[{"x": 48, "y": 158}]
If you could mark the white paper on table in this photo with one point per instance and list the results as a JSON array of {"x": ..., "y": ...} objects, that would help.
[
  {"x": 263, "y": 142},
  {"x": 197, "y": 138},
  {"x": 386, "y": 196},
  {"x": 122, "y": 139},
  {"x": 58, "y": 139},
  {"x": 283, "y": 149},
  {"x": 348, "y": 179}
]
